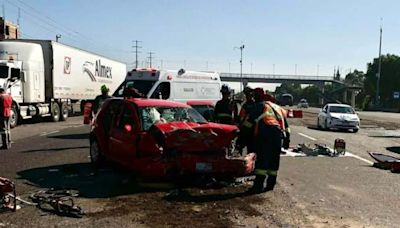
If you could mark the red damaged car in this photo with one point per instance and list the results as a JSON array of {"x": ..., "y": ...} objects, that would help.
[{"x": 164, "y": 139}]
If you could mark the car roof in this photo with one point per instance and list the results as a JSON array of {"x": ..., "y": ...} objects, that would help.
[
  {"x": 145, "y": 102},
  {"x": 199, "y": 103},
  {"x": 339, "y": 105}
]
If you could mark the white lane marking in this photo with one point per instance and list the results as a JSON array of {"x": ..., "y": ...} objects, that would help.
[
  {"x": 48, "y": 133},
  {"x": 359, "y": 158},
  {"x": 76, "y": 126},
  {"x": 309, "y": 137}
]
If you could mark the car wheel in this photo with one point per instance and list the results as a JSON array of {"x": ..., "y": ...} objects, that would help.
[
  {"x": 326, "y": 125},
  {"x": 355, "y": 130},
  {"x": 318, "y": 125},
  {"x": 96, "y": 156}
]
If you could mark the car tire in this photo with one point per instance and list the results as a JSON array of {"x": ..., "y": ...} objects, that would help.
[
  {"x": 326, "y": 125},
  {"x": 318, "y": 125},
  {"x": 355, "y": 130},
  {"x": 64, "y": 111},
  {"x": 96, "y": 156}
]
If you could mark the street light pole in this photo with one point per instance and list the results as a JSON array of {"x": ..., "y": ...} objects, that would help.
[
  {"x": 378, "y": 75},
  {"x": 241, "y": 67}
]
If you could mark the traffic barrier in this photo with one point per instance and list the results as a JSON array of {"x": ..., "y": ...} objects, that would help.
[
  {"x": 294, "y": 113},
  {"x": 297, "y": 113}
]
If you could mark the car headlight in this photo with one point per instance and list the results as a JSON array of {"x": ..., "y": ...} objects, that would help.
[{"x": 334, "y": 118}]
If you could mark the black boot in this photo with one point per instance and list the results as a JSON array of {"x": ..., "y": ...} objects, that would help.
[
  {"x": 258, "y": 185},
  {"x": 271, "y": 181}
]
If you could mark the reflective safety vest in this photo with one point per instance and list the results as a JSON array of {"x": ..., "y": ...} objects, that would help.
[
  {"x": 273, "y": 114},
  {"x": 6, "y": 104}
]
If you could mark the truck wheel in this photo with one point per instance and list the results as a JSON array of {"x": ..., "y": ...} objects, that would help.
[
  {"x": 64, "y": 111},
  {"x": 55, "y": 112},
  {"x": 14, "y": 116}
]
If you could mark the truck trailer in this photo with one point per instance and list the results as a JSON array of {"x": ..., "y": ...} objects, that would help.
[{"x": 50, "y": 79}]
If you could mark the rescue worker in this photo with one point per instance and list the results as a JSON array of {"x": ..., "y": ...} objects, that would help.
[
  {"x": 100, "y": 99},
  {"x": 5, "y": 114},
  {"x": 224, "y": 109},
  {"x": 246, "y": 127},
  {"x": 270, "y": 127}
]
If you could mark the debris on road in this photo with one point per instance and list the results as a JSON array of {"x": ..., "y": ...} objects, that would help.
[
  {"x": 316, "y": 150},
  {"x": 57, "y": 201},
  {"x": 7, "y": 187},
  {"x": 387, "y": 162}
]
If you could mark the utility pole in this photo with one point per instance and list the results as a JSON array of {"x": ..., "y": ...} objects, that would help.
[
  {"x": 378, "y": 75},
  {"x": 58, "y": 36},
  {"x": 295, "y": 69},
  {"x": 273, "y": 69},
  {"x": 136, "y": 47},
  {"x": 241, "y": 65},
  {"x": 151, "y": 58},
  {"x": 19, "y": 15}
]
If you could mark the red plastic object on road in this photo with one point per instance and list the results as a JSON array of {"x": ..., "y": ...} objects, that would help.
[
  {"x": 294, "y": 113},
  {"x": 87, "y": 113}
]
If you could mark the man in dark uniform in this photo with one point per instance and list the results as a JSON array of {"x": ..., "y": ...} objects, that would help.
[
  {"x": 246, "y": 127},
  {"x": 224, "y": 109},
  {"x": 100, "y": 99},
  {"x": 270, "y": 127}
]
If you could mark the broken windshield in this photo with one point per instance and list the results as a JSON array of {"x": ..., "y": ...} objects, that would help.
[{"x": 154, "y": 115}]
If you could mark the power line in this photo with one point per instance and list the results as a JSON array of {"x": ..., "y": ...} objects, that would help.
[
  {"x": 135, "y": 48},
  {"x": 74, "y": 35}
]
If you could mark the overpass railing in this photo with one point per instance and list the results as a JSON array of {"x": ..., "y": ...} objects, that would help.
[{"x": 278, "y": 76}]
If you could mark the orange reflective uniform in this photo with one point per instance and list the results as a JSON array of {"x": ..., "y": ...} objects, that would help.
[{"x": 273, "y": 114}]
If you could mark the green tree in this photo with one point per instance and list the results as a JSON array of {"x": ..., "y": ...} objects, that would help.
[
  {"x": 355, "y": 78},
  {"x": 389, "y": 80}
]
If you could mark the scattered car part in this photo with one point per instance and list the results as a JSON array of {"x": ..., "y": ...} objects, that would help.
[
  {"x": 57, "y": 201},
  {"x": 384, "y": 161}
]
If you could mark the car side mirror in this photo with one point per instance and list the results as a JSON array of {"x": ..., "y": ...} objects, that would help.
[{"x": 128, "y": 128}]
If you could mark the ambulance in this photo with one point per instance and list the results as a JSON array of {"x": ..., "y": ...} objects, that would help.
[{"x": 177, "y": 85}]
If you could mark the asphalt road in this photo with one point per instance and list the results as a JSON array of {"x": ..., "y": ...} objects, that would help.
[{"x": 312, "y": 191}]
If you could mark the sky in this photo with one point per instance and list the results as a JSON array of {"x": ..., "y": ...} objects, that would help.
[{"x": 302, "y": 37}]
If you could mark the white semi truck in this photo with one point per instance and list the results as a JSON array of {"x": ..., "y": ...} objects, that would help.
[{"x": 46, "y": 78}]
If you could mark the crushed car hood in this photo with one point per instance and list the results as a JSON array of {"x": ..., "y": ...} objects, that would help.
[{"x": 194, "y": 137}]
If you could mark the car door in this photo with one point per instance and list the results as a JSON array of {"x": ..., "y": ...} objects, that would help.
[
  {"x": 322, "y": 114},
  {"x": 123, "y": 135}
]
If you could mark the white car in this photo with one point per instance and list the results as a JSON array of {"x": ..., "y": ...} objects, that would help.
[
  {"x": 339, "y": 116},
  {"x": 302, "y": 104}
]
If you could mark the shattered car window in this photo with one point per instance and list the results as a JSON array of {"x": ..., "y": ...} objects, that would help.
[{"x": 154, "y": 115}]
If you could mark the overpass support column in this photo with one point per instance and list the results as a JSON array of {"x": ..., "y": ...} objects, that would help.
[
  {"x": 353, "y": 98},
  {"x": 322, "y": 89},
  {"x": 345, "y": 96}
]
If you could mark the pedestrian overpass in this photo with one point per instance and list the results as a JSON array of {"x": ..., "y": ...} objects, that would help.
[
  {"x": 278, "y": 78},
  {"x": 301, "y": 79}
]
